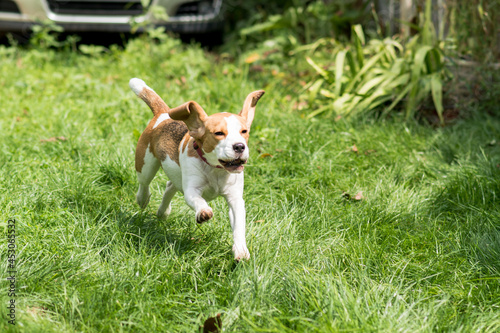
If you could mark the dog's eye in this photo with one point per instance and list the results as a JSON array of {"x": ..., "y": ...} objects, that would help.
[
  {"x": 219, "y": 133},
  {"x": 244, "y": 131}
]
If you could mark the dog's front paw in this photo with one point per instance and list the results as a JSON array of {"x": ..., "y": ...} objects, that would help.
[
  {"x": 241, "y": 253},
  {"x": 204, "y": 215}
]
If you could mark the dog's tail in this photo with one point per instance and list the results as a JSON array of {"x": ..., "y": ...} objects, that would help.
[{"x": 148, "y": 95}]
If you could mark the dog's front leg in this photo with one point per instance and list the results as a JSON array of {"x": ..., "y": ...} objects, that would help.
[
  {"x": 237, "y": 217},
  {"x": 192, "y": 196}
]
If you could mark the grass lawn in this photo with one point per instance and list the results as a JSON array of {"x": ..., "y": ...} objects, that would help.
[{"x": 420, "y": 252}]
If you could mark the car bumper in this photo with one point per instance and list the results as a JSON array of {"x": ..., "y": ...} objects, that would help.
[{"x": 40, "y": 11}]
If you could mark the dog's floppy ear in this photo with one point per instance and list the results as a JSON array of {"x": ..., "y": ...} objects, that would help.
[
  {"x": 193, "y": 115},
  {"x": 248, "y": 111}
]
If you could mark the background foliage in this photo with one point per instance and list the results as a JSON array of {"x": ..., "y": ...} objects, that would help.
[
  {"x": 375, "y": 222},
  {"x": 358, "y": 68}
]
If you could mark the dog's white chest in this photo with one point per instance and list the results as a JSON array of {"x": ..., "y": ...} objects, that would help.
[
  {"x": 210, "y": 193},
  {"x": 221, "y": 183}
]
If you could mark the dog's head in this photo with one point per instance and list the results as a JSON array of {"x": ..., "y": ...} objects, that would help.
[{"x": 223, "y": 137}]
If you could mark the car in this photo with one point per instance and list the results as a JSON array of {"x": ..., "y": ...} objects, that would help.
[{"x": 184, "y": 16}]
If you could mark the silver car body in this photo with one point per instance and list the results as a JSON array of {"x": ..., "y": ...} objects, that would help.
[{"x": 184, "y": 16}]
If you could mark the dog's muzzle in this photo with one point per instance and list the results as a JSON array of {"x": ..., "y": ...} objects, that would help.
[{"x": 237, "y": 165}]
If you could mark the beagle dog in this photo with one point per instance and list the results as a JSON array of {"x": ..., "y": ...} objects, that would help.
[{"x": 203, "y": 157}]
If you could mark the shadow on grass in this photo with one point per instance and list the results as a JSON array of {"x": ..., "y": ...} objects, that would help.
[
  {"x": 144, "y": 229},
  {"x": 469, "y": 202}
]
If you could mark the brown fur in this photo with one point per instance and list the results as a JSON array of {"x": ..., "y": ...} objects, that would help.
[
  {"x": 193, "y": 115},
  {"x": 167, "y": 138},
  {"x": 248, "y": 111},
  {"x": 205, "y": 215},
  {"x": 155, "y": 103},
  {"x": 188, "y": 142},
  {"x": 163, "y": 141}
]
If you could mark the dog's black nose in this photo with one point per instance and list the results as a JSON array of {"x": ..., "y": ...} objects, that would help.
[{"x": 239, "y": 147}]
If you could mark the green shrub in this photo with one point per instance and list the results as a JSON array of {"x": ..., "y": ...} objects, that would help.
[{"x": 379, "y": 74}]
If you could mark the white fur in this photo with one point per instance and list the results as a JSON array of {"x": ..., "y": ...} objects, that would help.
[
  {"x": 137, "y": 85},
  {"x": 224, "y": 149},
  {"x": 161, "y": 118},
  {"x": 149, "y": 170},
  {"x": 202, "y": 183}
]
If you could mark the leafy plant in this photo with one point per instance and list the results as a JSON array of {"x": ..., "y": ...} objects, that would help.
[
  {"x": 309, "y": 20},
  {"x": 381, "y": 74},
  {"x": 296, "y": 23},
  {"x": 47, "y": 34}
]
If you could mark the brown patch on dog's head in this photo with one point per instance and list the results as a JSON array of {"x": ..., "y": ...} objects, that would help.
[{"x": 215, "y": 130}]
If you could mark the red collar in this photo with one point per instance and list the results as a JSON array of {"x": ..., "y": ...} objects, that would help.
[{"x": 200, "y": 153}]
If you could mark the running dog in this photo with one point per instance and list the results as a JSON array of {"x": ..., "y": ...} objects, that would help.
[{"x": 203, "y": 157}]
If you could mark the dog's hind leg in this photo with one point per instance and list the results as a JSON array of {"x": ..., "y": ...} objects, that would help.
[
  {"x": 165, "y": 207},
  {"x": 145, "y": 176}
]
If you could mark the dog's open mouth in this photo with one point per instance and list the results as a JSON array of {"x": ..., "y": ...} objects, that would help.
[{"x": 236, "y": 165}]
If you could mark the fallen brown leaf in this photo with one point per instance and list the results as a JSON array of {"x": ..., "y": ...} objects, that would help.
[
  {"x": 359, "y": 196},
  {"x": 265, "y": 155},
  {"x": 36, "y": 310},
  {"x": 369, "y": 152},
  {"x": 54, "y": 139},
  {"x": 213, "y": 324},
  {"x": 354, "y": 149}
]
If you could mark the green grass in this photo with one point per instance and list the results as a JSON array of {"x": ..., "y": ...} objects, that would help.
[{"x": 419, "y": 253}]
